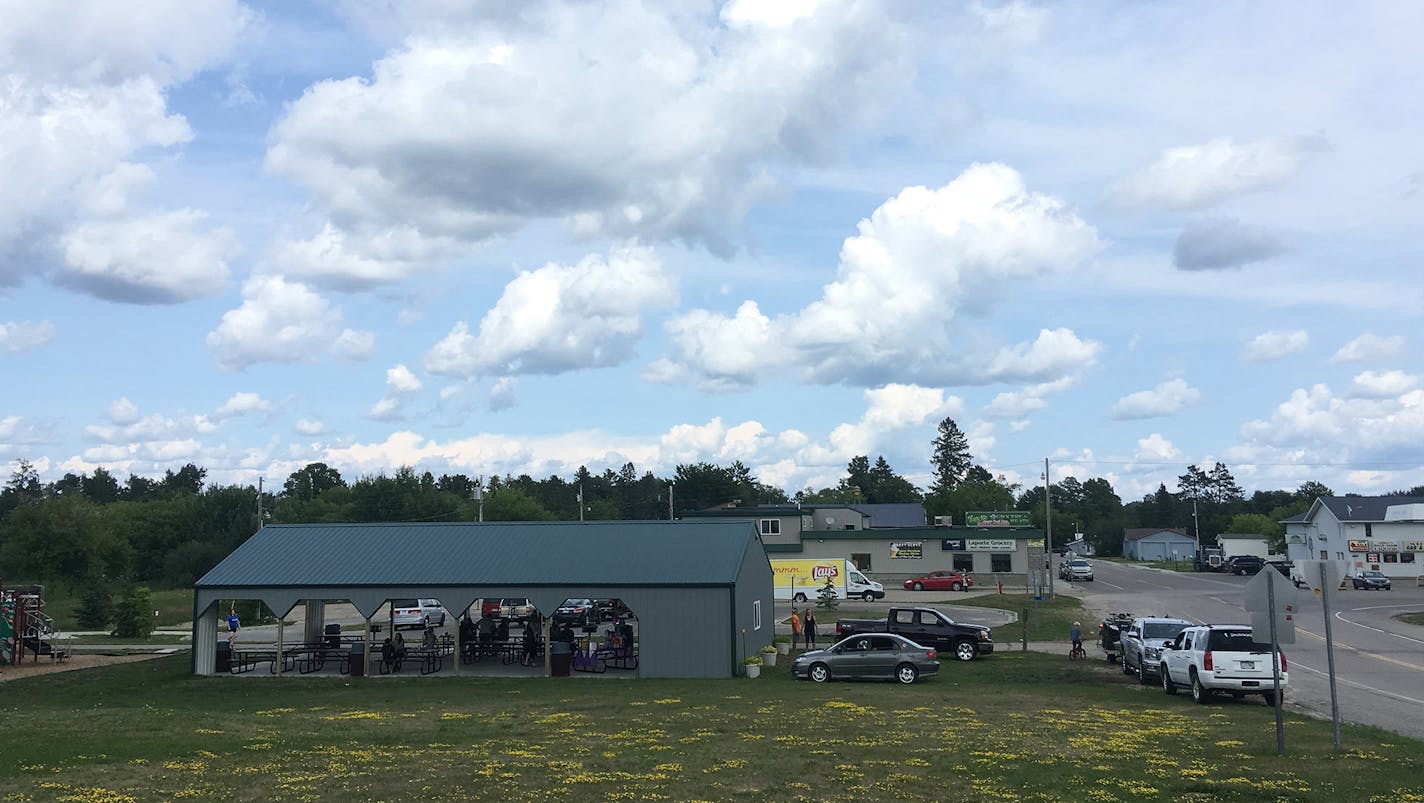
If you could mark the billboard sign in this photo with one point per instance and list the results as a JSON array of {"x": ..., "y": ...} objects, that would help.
[
  {"x": 997, "y": 518},
  {"x": 912, "y": 550},
  {"x": 1359, "y": 546}
]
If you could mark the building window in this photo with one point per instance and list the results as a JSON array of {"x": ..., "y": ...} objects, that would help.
[
  {"x": 1406, "y": 557},
  {"x": 1324, "y": 555},
  {"x": 756, "y": 614},
  {"x": 1369, "y": 530},
  {"x": 771, "y": 526},
  {"x": 1390, "y": 557},
  {"x": 964, "y": 561},
  {"x": 1001, "y": 562},
  {"x": 861, "y": 560}
]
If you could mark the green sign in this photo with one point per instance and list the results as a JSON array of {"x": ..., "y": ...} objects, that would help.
[{"x": 997, "y": 518}]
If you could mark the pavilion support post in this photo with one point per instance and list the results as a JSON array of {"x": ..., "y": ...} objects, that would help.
[
  {"x": 366, "y": 639},
  {"x": 281, "y": 630}
]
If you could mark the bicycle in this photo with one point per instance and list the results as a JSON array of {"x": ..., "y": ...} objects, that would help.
[{"x": 1077, "y": 652}]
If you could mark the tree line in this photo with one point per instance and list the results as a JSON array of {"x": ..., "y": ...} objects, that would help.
[{"x": 93, "y": 531}]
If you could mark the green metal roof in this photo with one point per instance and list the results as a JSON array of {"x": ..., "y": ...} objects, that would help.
[{"x": 502, "y": 553}]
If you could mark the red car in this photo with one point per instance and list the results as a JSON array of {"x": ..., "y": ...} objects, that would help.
[{"x": 940, "y": 581}]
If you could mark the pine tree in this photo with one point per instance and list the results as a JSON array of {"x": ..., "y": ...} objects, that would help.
[
  {"x": 96, "y": 604},
  {"x": 826, "y": 598},
  {"x": 950, "y": 457}
]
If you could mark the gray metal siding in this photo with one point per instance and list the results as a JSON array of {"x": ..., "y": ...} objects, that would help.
[
  {"x": 682, "y": 632},
  {"x": 754, "y": 584}
]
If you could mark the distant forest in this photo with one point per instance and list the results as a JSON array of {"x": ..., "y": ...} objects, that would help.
[{"x": 91, "y": 530}]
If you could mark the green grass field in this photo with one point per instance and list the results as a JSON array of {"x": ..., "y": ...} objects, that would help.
[
  {"x": 1011, "y": 727},
  {"x": 174, "y": 606}
]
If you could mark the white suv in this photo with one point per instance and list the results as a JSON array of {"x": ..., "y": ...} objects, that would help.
[{"x": 1220, "y": 658}]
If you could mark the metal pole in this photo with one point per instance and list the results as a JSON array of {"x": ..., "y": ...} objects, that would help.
[
  {"x": 1330, "y": 656},
  {"x": 1048, "y": 527},
  {"x": 671, "y": 485},
  {"x": 259, "y": 503},
  {"x": 1271, "y": 576}
]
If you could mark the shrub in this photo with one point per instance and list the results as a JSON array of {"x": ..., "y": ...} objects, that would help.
[{"x": 134, "y": 616}]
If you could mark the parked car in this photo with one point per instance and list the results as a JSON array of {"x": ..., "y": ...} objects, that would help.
[
  {"x": 943, "y": 580},
  {"x": 1245, "y": 564},
  {"x": 1142, "y": 642},
  {"x": 875, "y": 656},
  {"x": 580, "y": 611},
  {"x": 610, "y": 609},
  {"x": 1075, "y": 569},
  {"x": 1373, "y": 580},
  {"x": 1224, "y": 658},
  {"x": 516, "y": 609},
  {"x": 421, "y": 613}
]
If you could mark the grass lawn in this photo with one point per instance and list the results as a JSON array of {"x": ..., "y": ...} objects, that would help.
[
  {"x": 1411, "y": 618},
  {"x": 1049, "y": 620},
  {"x": 1011, "y": 727},
  {"x": 153, "y": 638}
]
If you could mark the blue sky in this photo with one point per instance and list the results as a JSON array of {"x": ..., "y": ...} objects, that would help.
[{"x": 521, "y": 237}]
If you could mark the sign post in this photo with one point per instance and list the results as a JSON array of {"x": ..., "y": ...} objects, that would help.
[{"x": 1278, "y": 620}]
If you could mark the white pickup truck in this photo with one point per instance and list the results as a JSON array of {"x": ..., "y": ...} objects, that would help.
[{"x": 1221, "y": 658}]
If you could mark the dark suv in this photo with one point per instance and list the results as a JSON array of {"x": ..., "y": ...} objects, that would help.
[{"x": 1245, "y": 564}]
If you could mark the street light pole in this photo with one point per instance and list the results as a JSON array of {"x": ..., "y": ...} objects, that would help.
[
  {"x": 671, "y": 485},
  {"x": 1048, "y": 527}
]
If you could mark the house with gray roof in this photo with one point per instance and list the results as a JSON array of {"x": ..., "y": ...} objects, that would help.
[{"x": 701, "y": 590}]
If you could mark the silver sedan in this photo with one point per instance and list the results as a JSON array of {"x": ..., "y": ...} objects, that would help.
[{"x": 877, "y": 656}]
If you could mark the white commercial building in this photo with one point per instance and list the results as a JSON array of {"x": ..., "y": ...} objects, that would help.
[{"x": 1363, "y": 532}]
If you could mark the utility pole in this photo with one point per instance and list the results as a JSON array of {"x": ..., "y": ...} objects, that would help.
[
  {"x": 1048, "y": 527},
  {"x": 580, "y": 502},
  {"x": 1196, "y": 525},
  {"x": 671, "y": 485},
  {"x": 480, "y": 495},
  {"x": 261, "y": 517}
]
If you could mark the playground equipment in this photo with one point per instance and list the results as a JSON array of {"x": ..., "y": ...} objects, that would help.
[{"x": 25, "y": 628}]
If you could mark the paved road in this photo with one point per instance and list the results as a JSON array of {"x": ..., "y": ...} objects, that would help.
[{"x": 1379, "y": 661}]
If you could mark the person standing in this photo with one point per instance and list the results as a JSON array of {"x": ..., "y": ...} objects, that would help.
[
  {"x": 232, "y": 623},
  {"x": 810, "y": 629},
  {"x": 795, "y": 628}
]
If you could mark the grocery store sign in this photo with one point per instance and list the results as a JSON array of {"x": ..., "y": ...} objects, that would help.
[
  {"x": 991, "y": 544},
  {"x": 997, "y": 518}
]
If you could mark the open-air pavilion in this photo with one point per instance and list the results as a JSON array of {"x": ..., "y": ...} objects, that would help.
[{"x": 701, "y": 590}]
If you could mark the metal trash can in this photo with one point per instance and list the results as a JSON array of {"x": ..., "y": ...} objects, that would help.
[
  {"x": 223, "y": 662},
  {"x": 357, "y": 659},
  {"x": 333, "y": 636}
]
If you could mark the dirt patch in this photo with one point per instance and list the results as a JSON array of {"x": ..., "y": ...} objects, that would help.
[{"x": 45, "y": 666}]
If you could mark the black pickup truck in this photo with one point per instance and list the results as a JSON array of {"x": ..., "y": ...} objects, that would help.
[{"x": 928, "y": 627}]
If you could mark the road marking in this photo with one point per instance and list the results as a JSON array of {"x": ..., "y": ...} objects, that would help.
[
  {"x": 1341, "y": 617},
  {"x": 1109, "y": 585},
  {"x": 1294, "y": 665},
  {"x": 1359, "y": 651}
]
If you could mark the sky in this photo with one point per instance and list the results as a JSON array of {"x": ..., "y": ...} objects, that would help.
[{"x": 523, "y": 236}]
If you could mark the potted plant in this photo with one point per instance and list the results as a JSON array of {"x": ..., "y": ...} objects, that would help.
[
  {"x": 783, "y": 645},
  {"x": 768, "y": 655},
  {"x": 753, "y": 665}
]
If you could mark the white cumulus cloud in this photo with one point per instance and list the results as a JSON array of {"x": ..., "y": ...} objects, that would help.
[
  {"x": 281, "y": 321},
  {"x": 919, "y": 260},
  {"x": 1170, "y": 397},
  {"x": 21, "y": 336},
  {"x": 242, "y": 403},
  {"x": 1275, "y": 345},
  {"x": 1370, "y": 347},
  {"x": 1196, "y": 176},
  {"x": 560, "y": 318},
  {"x": 1386, "y": 385},
  {"x": 164, "y": 258}
]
